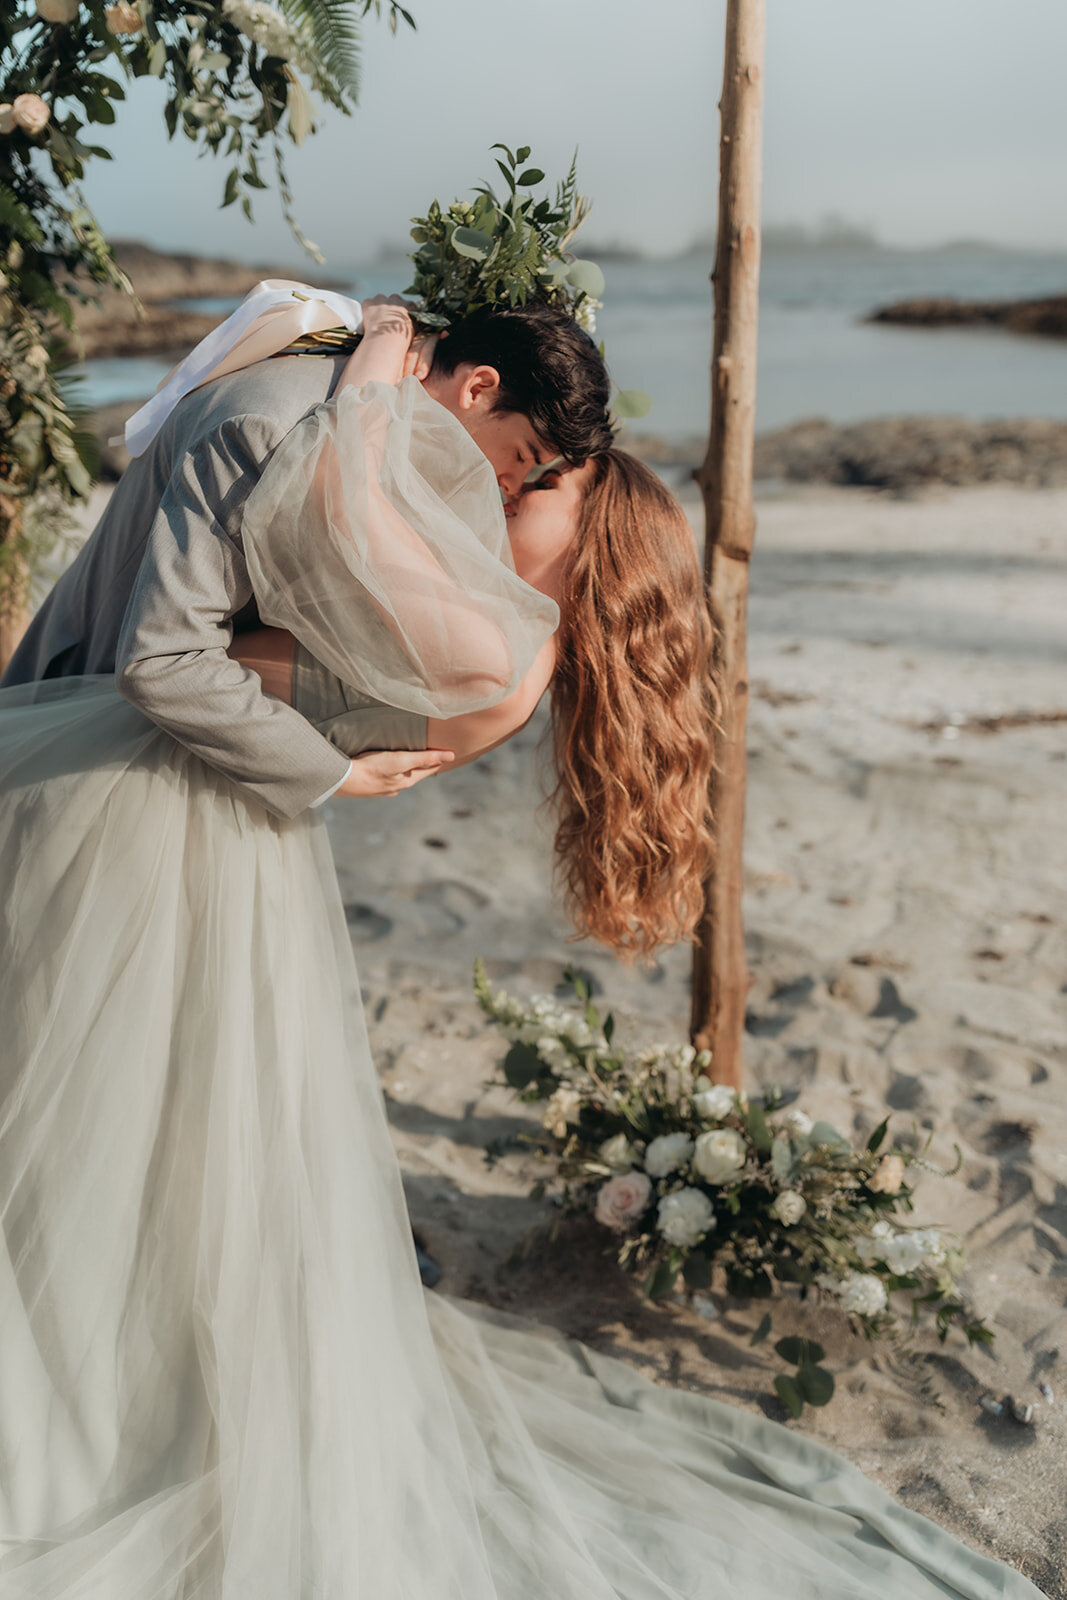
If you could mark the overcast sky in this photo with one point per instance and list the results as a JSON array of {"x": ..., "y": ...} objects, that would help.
[{"x": 926, "y": 120}]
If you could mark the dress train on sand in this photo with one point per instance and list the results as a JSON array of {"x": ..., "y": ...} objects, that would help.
[{"x": 220, "y": 1376}]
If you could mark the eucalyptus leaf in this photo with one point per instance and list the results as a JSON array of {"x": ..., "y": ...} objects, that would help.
[
  {"x": 586, "y": 276},
  {"x": 781, "y": 1159},
  {"x": 660, "y": 1281},
  {"x": 531, "y": 176},
  {"x": 471, "y": 243},
  {"x": 632, "y": 403},
  {"x": 758, "y": 1131},
  {"x": 874, "y": 1143},
  {"x": 824, "y": 1133}
]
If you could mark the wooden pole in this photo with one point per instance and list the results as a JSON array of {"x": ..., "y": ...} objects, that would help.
[
  {"x": 14, "y": 617},
  {"x": 720, "y": 973}
]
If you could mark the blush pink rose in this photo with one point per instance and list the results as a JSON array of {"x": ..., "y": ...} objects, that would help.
[
  {"x": 59, "y": 11},
  {"x": 622, "y": 1200},
  {"x": 887, "y": 1176},
  {"x": 123, "y": 18},
  {"x": 30, "y": 113}
]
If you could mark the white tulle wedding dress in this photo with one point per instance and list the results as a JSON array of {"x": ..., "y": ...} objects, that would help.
[{"x": 220, "y": 1375}]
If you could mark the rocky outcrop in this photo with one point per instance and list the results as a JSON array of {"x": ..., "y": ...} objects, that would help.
[
  {"x": 1046, "y": 317},
  {"x": 903, "y": 453},
  {"x": 114, "y": 327},
  {"x": 895, "y": 453}
]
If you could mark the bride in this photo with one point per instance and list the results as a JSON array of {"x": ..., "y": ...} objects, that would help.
[{"x": 220, "y": 1376}]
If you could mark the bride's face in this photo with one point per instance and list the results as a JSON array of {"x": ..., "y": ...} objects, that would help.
[{"x": 543, "y": 520}]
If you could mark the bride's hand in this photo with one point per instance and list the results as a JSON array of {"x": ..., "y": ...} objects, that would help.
[
  {"x": 385, "y": 352},
  {"x": 389, "y": 316},
  {"x": 384, "y": 773}
]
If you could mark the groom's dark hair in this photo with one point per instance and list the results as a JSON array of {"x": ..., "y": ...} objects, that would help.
[{"x": 550, "y": 371}]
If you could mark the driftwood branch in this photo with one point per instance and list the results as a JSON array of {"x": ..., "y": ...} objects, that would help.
[{"x": 720, "y": 973}]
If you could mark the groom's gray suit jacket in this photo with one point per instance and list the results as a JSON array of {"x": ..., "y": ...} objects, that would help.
[{"x": 153, "y": 593}]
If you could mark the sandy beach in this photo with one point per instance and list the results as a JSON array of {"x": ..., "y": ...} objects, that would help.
[{"x": 907, "y": 925}]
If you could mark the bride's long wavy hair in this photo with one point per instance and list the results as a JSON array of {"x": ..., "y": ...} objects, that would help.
[{"x": 633, "y": 710}]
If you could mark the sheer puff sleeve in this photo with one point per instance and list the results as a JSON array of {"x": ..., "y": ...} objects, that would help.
[{"x": 376, "y": 536}]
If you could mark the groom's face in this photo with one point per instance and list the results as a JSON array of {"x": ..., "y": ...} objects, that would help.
[{"x": 506, "y": 438}]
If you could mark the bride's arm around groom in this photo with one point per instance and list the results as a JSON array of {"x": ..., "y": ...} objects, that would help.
[{"x": 153, "y": 594}]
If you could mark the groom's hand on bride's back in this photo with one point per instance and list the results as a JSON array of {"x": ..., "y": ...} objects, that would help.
[{"x": 382, "y": 773}]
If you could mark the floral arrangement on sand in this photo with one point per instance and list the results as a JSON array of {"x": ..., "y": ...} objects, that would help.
[{"x": 688, "y": 1177}]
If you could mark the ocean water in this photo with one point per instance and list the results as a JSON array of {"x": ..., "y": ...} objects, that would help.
[{"x": 818, "y": 358}]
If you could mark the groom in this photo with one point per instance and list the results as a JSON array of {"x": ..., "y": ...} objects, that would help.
[{"x": 160, "y": 585}]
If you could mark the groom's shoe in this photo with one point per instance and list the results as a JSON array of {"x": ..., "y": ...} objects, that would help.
[{"x": 429, "y": 1271}]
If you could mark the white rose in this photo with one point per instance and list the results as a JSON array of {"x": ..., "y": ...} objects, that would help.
[
  {"x": 667, "y": 1153},
  {"x": 933, "y": 1246},
  {"x": 685, "y": 1217},
  {"x": 797, "y": 1121},
  {"x": 585, "y": 316},
  {"x": 553, "y": 1051},
  {"x": 719, "y": 1154},
  {"x": 903, "y": 1253},
  {"x": 861, "y": 1294},
  {"x": 62, "y": 11},
  {"x": 30, "y": 113},
  {"x": 123, "y": 17},
  {"x": 789, "y": 1207},
  {"x": 561, "y": 1108},
  {"x": 622, "y": 1199},
  {"x": 887, "y": 1176},
  {"x": 617, "y": 1151},
  {"x": 715, "y": 1102},
  {"x": 873, "y": 1249}
]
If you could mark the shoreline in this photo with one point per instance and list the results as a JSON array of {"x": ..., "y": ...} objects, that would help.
[{"x": 899, "y": 455}]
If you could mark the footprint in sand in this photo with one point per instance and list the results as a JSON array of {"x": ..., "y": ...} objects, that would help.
[
  {"x": 872, "y": 994},
  {"x": 446, "y": 906},
  {"x": 365, "y": 925}
]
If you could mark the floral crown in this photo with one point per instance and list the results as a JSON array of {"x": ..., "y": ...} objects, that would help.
[
  {"x": 493, "y": 252},
  {"x": 506, "y": 252}
]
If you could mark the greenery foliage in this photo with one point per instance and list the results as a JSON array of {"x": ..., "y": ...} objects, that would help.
[
  {"x": 502, "y": 251},
  {"x": 492, "y": 251},
  {"x": 692, "y": 1180},
  {"x": 234, "y": 78}
]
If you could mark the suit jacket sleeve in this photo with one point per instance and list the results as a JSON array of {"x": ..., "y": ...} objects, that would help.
[{"x": 171, "y": 661}]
